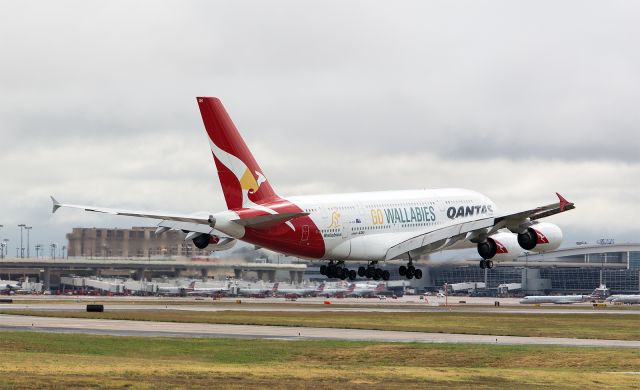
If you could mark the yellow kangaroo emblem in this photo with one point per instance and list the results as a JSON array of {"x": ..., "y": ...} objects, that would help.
[{"x": 335, "y": 220}]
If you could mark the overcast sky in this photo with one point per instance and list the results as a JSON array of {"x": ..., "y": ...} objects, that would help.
[{"x": 513, "y": 99}]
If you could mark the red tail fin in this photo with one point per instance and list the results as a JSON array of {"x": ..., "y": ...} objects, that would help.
[{"x": 242, "y": 180}]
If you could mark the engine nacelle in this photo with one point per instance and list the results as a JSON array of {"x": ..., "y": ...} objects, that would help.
[
  {"x": 214, "y": 243},
  {"x": 541, "y": 237},
  {"x": 500, "y": 247}
]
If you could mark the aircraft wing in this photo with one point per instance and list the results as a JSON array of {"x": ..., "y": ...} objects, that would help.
[
  {"x": 478, "y": 229},
  {"x": 537, "y": 213},
  {"x": 192, "y": 223},
  {"x": 449, "y": 235},
  {"x": 132, "y": 213}
]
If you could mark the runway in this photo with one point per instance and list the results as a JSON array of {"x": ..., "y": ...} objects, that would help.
[
  {"x": 314, "y": 308},
  {"x": 170, "y": 329}
]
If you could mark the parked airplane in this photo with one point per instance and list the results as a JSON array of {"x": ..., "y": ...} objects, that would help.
[
  {"x": 367, "y": 290},
  {"x": 630, "y": 299},
  {"x": 208, "y": 291},
  {"x": 298, "y": 291},
  {"x": 371, "y": 226},
  {"x": 597, "y": 295},
  {"x": 336, "y": 291},
  {"x": 175, "y": 290},
  {"x": 257, "y": 291},
  {"x": 9, "y": 286}
]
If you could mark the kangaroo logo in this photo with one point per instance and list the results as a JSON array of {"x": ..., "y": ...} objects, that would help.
[
  {"x": 335, "y": 220},
  {"x": 249, "y": 184}
]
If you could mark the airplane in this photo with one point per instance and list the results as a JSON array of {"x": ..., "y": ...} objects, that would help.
[
  {"x": 630, "y": 299},
  {"x": 370, "y": 226},
  {"x": 298, "y": 292},
  {"x": 208, "y": 291},
  {"x": 368, "y": 290},
  {"x": 175, "y": 290},
  {"x": 597, "y": 294},
  {"x": 336, "y": 291},
  {"x": 257, "y": 292},
  {"x": 10, "y": 287}
]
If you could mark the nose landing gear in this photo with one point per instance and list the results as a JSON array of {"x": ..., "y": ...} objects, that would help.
[{"x": 484, "y": 263}]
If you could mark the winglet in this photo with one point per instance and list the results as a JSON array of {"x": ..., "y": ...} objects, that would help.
[
  {"x": 56, "y": 204},
  {"x": 563, "y": 202}
]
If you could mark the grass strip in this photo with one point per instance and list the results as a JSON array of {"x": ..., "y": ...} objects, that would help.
[{"x": 42, "y": 360}]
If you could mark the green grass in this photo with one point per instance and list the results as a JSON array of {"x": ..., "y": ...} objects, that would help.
[
  {"x": 44, "y": 360},
  {"x": 598, "y": 326}
]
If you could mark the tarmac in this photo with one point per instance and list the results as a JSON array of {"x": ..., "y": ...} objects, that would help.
[
  {"x": 406, "y": 304},
  {"x": 170, "y": 329}
]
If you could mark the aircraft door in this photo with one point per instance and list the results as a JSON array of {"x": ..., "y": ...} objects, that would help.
[{"x": 305, "y": 233}]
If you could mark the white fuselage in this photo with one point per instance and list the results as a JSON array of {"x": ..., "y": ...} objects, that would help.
[
  {"x": 362, "y": 226},
  {"x": 557, "y": 299}
]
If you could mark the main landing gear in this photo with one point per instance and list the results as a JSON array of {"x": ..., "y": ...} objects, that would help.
[
  {"x": 485, "y": 263},
  {"x": 409, "y": 271},
  {"x": 336, "y": 270},
  {"x": 371, "y": 272}
]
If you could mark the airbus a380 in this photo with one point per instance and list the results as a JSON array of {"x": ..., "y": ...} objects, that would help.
[{"x": 369, "y": 226}]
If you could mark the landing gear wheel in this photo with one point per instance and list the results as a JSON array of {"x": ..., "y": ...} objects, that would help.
[
  {"x": 377, "y": 274},
  {"x": 418, "y": 274},
  {"x": 323, "y": 269},
  {"x": 352, "y": 275},
  {"x": 483, "y": 264},
  {"x": 362, "y": 271},
  {"x": 369, "y": 272},
  {"x": 489, "y": 263},
  {"x": 402, "y": 270},
  {"x": 410, "y": 272},
  {"x": 344, "y": 273},
  {"x": 411, "y": 269},
  {"x": 386, "y": 275}
]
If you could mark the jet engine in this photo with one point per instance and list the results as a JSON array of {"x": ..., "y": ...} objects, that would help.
[
  {"x": 500, "y": 247},
  {"x": 212, "y": 242},
  {"x": 541, "y": 237}
]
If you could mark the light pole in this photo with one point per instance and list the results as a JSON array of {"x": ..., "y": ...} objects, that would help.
[
  {"x": 38, "y": 246},
  {"x": 28, "y": 228},
  {"x": 22, "y": 225},
  {"x": 6, "y": 246}
]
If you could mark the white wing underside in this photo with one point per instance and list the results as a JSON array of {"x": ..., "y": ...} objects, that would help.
[{"x": 474, "y": 230}]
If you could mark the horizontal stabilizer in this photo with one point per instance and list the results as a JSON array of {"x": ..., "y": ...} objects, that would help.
[
  {"x": 267, "y": 221},
  {"x": 56, "y": 204}
]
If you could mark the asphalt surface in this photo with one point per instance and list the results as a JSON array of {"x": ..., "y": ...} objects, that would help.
[
  {"x": 170, "y": 329},
  {"x": 362, "y": 306}
]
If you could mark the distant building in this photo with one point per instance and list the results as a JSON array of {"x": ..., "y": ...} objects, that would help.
[{"x": 134, "y": 242}]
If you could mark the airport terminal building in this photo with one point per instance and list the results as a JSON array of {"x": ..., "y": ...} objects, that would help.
[{"x": 577, "y": 269}]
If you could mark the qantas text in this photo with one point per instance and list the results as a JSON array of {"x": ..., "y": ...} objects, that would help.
[{"x": 468, "y": 211}]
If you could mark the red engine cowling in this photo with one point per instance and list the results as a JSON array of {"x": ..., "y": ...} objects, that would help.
[
  {"x": 541, "y": 237},
  {"x": 500, "y": 247}
]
